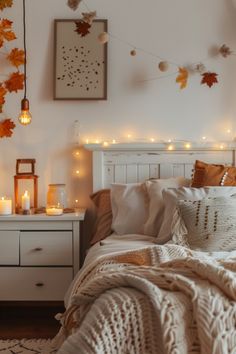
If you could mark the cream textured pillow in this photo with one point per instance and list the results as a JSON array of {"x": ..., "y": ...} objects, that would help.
[
  {"x": 171, "y": 197},
  {"x": 156, "y": 204},
  {"x": 129, "y": 204},
  {"x": 206, "y": 225}
]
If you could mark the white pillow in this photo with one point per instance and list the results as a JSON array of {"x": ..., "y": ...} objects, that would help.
[
  {"x": 156, "y": 204},
  {"x": 129, "y": 205},
  {"x": 206, "y": 225},
  {"x": 171, "y": 197}
]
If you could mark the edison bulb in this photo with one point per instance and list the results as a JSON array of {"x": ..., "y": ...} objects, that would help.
[{"x": 25, "y": 117}]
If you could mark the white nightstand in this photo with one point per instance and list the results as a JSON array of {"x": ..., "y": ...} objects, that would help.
[{"x": 39, "y": 256}]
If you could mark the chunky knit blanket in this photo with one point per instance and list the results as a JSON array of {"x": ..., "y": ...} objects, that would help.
[{"x": 158, "y": 300}]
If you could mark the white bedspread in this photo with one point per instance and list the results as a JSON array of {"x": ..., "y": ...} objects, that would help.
[{"x": 177, "y": 300}]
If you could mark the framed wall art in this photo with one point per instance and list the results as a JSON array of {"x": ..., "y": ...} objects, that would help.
[{"x": 80, "y": 62}]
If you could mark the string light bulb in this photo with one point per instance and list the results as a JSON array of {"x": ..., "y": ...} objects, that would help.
[
  {"x": 25, "y": 116},
  {"x": 152, "y": 140},
  {"x": 188, "y": 146},
  {"x": 170, "y": 147},
  {"x": 105, "y": 143}
]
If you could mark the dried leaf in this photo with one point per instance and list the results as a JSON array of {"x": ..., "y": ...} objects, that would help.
[
  {"x": 15, "y": 82},
  {"x": 82, "y": 28},
  {"x": 209, "y": 79},
  {"x": 16, "y": 57},
  {"x": 3, "y": 92},
  {"x": 89, "y": 16},
  {"x": 5, "y": 3},
  {"x": 5, "y": 25},
  {"x": 182, "y": 78},
  {"x": 6, "y": 128},
  {"x": 200, "y": 68},
  {"x": 225, "y": 51},
  {"x": 73, "y": 4}
]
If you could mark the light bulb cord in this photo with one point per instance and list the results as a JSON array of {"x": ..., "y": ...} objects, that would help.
[{"x": 24, "y": 36}]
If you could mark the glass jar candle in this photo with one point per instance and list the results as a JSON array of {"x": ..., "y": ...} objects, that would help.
[{"x": 56, "y": 195}]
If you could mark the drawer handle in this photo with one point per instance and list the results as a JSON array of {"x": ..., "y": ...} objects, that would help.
[
  {"x": 39, "y": 285},
  {"x": 38, "y": 249}
]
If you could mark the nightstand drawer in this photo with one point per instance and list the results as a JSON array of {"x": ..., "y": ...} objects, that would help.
[
  {"x": 9, "y": 247},
  {"x": 46, "y": 248},
  {"x": 34, "y": 284}
]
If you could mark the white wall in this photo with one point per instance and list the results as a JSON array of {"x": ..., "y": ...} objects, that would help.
[{"x": 183, "y": 31}]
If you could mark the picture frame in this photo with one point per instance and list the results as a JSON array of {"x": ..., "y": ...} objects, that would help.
[{"x": 80, "y": 62}]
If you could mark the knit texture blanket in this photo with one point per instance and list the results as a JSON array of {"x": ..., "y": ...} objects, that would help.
[{"x": 161, "y": 299}]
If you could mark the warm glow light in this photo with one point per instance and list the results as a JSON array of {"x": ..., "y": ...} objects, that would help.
[
  {"x": 26, "y": 194},
  {"x": 77, "y": 153},
  {"x": 77, "y": 172},
  {"x": 113, "y": 141},
  {"x": 203, "y": 137},
  {"x": 25, "y": 118},
  {"x": 152, "y": 140},
  {"x": 221, "y": 146},
  {"x": 87, "y": 141},
  {"x": 229, "y": 131},
  {"x": 76, "y": 200},
  {"x": 129, "y": 136},
  {"x": 96, "y": 141},
  {"x": 170, "y": 147},
  {"x": 169, "y": 141},
  {"x": 187, "y": 146},
  {"x": 105, "y": 143}
]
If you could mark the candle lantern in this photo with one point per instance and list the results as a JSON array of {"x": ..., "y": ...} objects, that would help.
[{"x": 25, "y": 187}]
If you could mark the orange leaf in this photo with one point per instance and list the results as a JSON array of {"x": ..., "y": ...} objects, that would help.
[
  {"x": 82, "y": 28},
  {"x": 5, "y": 3},
  {"x": 6, "y": 128},
  {"x": 5, "y": 25},
  {"x": 15, "y": 82},
  {"x": 16, "y": 57},
  {"x": 182, "y": 78},
  {"x": 209, "y": 79},
  {"x": 3, "y": 92}
]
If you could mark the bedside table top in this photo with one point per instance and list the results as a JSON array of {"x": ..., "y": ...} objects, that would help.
[{"x": 76, "y": 216}]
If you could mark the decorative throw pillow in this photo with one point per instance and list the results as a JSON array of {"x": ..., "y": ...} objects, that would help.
[
  {"x": 171, "y": 197},
  {"x": 102, "y": 229},
  {"x": 129, "y": 208},
  {"x": 207, "y": 225},
  {"x": 213, "y": 175},
  {"x": 156, "y": 204}
]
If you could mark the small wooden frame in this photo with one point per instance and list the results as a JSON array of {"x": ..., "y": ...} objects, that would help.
[{"x": 20, "y": 162}]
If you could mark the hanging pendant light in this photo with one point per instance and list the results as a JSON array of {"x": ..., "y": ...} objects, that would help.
[{"x": 25, "y": 115}]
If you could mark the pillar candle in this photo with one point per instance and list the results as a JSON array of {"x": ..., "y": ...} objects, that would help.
[
  {"x": 25, "y": 201},
  {"x": 5, "y": 206}
]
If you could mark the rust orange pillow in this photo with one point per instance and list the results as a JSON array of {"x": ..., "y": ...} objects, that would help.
[
  {"x": 213, "y": 175},
  {"x": 102, "y": 228}
]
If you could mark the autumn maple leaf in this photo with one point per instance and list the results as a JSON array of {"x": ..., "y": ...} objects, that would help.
[
  {"x": 3, "y": 92},
  {"x": 82, "y": 28},
  {"x": 209, "y": 79},
  {"x": 16, "y": 57},
  {"x": 5, "y": 3},
  {"x": 6, "y": 128},
  {"x": 5, "y": 31},
  {"x": 182, "y": 78},
  {"x": 15, "y": 82}
]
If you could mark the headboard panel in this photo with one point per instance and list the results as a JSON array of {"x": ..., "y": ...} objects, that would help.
[{"x": 115, "y": 165}]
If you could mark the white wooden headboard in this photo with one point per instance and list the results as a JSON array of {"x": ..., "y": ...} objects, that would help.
[{"x": 129, "y": 163}]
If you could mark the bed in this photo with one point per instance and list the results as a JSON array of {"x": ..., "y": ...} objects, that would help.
[{"x": 136, "y": 295}]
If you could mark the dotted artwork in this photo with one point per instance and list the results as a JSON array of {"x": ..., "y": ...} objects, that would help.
[
  {"x": 80, "y": 63},
  {"x": 79, "y": 69}
]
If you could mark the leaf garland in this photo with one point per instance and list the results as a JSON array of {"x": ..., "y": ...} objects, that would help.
[
  {"x": 15, "y": 80},
  {"x": 73, "y": 4},
  {"x": 182, "y": 78},
  {"x": 209, "y": 79},
  {"x": 82, "y": 28},
  {"x": 5, "y": 3},
  {"x": 6, "y": 128}
]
